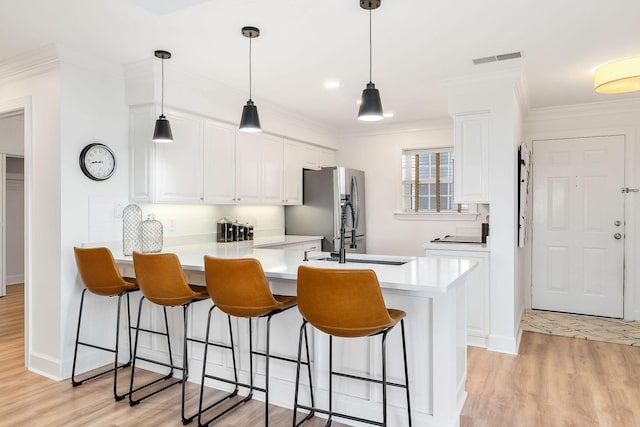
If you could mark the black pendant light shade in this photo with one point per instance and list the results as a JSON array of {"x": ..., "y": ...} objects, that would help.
[
  {"x": 370, "y": 103},
  {"x": 250, "y": 122},
  {"x": 162, "y": 132}
]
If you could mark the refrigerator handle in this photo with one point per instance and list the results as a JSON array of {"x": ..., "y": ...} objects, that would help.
[{"x": 355, "y": 201}]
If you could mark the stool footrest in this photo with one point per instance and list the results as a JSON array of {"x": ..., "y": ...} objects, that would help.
[
  {"x": 133, "y": 402},
  {"x": 339, "y": 415},
  {"x": 237, "y": 384},
  {"x": 234, "y": 393},
  {"x": 75, "y": 383},
  {"x": 371, "y": 380}
]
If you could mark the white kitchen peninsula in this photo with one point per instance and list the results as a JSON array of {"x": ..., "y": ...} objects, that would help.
[{"x": 430, "y": 289}]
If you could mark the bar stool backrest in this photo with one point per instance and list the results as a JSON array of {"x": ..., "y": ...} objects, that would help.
[
  {"x": 238, "y": 286},
  {"x": 161, "y": 279},
  {"x": 344, "y": 303},
  {"x": 99, "y": 271}
]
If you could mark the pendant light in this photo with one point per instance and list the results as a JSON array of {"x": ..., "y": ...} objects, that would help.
[
  {"x": 250, "y": 122},
  {"x": 370, "y": 104},
  {"x": 162, "y": 132}
]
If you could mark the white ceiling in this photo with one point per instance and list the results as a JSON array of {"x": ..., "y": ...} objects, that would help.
[{"x": 417, "y": 44}]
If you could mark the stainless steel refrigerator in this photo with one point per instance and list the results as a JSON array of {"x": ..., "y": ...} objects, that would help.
[{"x": 320, "y": 214}]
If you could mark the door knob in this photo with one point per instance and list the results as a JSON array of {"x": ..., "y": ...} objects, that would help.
[
  {"x": 617, "y": 223},
  {"x": 617, "y": 236}
]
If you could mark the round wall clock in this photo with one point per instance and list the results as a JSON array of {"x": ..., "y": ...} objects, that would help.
[{"x": 97, "y": 161}]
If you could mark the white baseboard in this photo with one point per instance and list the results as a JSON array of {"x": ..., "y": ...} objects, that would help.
[
  {"x": 15, "y": 279},
  {"x": 503, "y": 344},
  {"x": 476, "y": 341},
  {"x": 44, "y": 365}
]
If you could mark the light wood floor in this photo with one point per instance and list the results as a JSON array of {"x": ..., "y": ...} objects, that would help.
[{"x": 554, "y": 381}]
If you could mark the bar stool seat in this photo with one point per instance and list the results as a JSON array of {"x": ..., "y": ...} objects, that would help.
[
  {"x": 347, "y": 304},
  {"x": 239, "y": 288},
  {"x": 100, "y": 275},
  {"x": 162, "y": 282}
]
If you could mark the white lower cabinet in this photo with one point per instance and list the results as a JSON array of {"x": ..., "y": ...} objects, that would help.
[{"x": 478, "y": 297}]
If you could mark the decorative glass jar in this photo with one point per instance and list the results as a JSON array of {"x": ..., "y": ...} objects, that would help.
[
  {"x": 151, "y": 234},
  {"x": 131, "y": 229}
]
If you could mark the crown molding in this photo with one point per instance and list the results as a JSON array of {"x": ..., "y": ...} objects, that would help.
[
  {"x": 623, "y": 106},
  {"x": 403, "y": 127},
  {"x": 34, "y": 62}
]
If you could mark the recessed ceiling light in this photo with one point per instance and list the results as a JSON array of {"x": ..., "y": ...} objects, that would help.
[
  {"x": 331, "y": 84},
  {"x": 388, "y": 114}
]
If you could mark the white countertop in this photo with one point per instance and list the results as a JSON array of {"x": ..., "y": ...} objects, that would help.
[
  {"x": 450, "y": 246},
  {"x": 420, "y": 274}
]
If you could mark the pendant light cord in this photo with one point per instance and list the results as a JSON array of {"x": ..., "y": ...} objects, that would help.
[
  {"x": 162, "y": 93},
  {"x": 370, "y": 47},
  {"x": 250, "y": 67}
]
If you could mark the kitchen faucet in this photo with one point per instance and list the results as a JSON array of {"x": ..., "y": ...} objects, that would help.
[{"x": 345, "y": 201}]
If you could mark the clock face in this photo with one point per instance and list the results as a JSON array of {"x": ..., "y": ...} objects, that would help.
[{"x": 97, "y": 161}]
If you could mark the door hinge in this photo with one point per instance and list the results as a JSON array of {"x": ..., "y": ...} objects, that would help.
[{"x": 624, "y": 190}]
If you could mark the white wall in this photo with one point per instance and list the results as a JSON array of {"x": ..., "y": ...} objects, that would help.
[
  {"x": 605, "y": 118},
  {"x": 379, "y": 155}
]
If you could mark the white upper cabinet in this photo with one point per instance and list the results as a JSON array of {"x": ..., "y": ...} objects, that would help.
[
  {"x": 248, "y": 170},
  {"x": 295, "y": 158},
  {"x": 141, "y": 154},
  {"x": 211, "y": 162},
  {"x": 219, "y": 163},
  {"x": 178, "y": 172},
  {"x": 326, "y": 158},
  {"x": 471, "y": 148},
  {"x": 272, "y": 163}
]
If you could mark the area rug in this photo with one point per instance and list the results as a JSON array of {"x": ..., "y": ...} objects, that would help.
[{"x": 583, "y": 327}]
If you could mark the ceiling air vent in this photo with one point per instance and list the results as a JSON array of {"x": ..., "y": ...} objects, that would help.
[{"x": 495, "y": 58}]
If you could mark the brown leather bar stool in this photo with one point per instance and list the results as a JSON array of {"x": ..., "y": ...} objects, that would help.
[
  {"x": 347, "y": 304},
  {"x": 162, "y": 282},
  {"x": 239, "y": 288},
  {"x": 101, "y": 276}
]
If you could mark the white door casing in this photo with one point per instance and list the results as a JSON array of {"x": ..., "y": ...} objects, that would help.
[{"x": 578, "y": 262}]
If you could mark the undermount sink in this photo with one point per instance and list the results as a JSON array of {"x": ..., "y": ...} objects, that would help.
[{"x": 365, "y": 260}]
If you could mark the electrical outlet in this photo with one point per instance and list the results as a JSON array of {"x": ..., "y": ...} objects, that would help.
[{"x": 118, "y": 207}]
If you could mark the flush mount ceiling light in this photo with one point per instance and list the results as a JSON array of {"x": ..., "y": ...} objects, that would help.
[
  {"x": 619, "y": 76},
  {"x": 370, "y": 105},
  {"x": 250, "y": 122},
  {"x": 162, "y": 131}
]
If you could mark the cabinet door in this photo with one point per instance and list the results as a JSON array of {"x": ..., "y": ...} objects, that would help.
[
  {"x": 293, "y": 159},
  {"x": 141, "y": 154},
  {"x": 471, "y": 158},
  {"x": 248, "y": 171},
  {"x": 179, "y": 164},
  {"x": 326, "y": 158},
  {"x": 219, "y": 163},
  {"x": 272, "y": 170}
]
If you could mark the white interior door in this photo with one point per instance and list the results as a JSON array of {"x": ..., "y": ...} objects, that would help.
[{"x": 578, "y": 225}]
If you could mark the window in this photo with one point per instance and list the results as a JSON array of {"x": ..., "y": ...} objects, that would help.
[{"x": 427, "y": 181}]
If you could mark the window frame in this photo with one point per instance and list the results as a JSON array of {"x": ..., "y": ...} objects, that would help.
[{"x": 470, "y": 214}]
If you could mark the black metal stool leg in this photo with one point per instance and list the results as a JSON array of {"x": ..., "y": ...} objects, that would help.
[
  {"x": 185, "y": 365},
  {"x": 266, "y": 380},
  {"x": 330, "y": 380},
  {"x": 384, "y": 378},
  {"x": 170, "y": 365},
  {"x": 406, "y": 371},
  {"x": 75, "y": 351}
]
